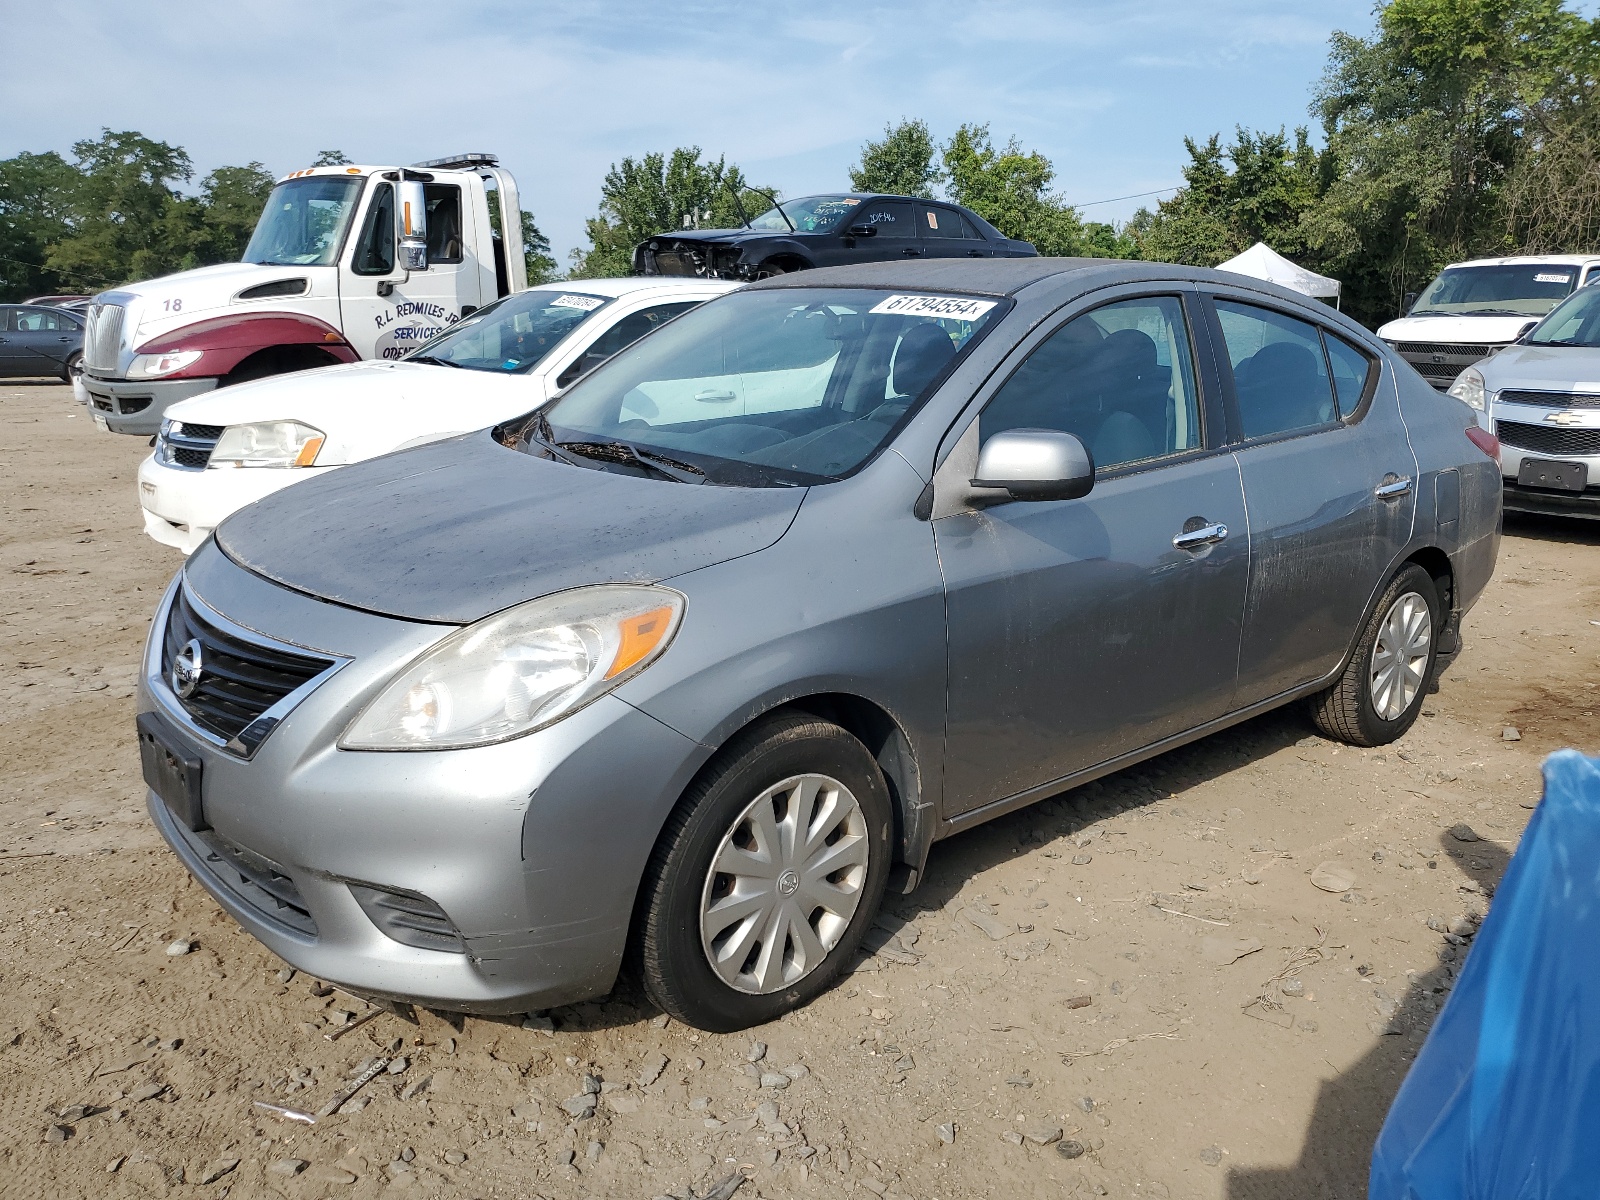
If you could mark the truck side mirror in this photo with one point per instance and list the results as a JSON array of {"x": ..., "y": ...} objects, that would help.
[
  {"x": 1408, "y": 303},
  {"x": 1036, "y": 464},
  {"x": 413, "y": 203}
]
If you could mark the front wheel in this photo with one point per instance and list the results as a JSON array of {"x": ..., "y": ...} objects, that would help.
[
  {"x": 766, "y": 876},
  {"x": 770, "y": 270},
  {"x": 1380, "y": 693}
]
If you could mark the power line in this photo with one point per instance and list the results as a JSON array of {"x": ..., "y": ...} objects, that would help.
[{"x": 1134, "y": 196}]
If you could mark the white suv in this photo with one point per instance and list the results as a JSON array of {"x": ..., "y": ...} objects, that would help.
[{"x": 224, "y": 449}]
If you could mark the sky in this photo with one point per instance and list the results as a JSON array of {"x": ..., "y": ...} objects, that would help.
[{"x": 560, "y": 90}]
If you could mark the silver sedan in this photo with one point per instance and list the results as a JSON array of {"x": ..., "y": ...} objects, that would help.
[{"x": 701, "y": 657}]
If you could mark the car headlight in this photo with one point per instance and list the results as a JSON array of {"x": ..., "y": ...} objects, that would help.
[
  {"x": 520, "y": 670},
  {"x": 1469, "y": 387},
  {"x": 267, "y": 444},
  {"x": 153, "y": 366}
]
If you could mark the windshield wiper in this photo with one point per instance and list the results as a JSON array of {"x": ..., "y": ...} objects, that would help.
[
  {"x": 625, "y": 454},
  {"x": 438, "y": 362},
  {"x": 1563, "y": 342},
  {"x": 544, "y": 437}
]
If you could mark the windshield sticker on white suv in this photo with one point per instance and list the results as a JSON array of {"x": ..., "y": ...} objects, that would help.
[
  {"x": 586, "y": 303},
  {"x": 951, "y": 307},
  {"x": 1545, "y": 277}
]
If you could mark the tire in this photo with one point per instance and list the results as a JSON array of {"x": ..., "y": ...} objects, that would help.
[
  {"x": 74, "y": 366},
  {"x": 770, "y": 270},
  {"x": 1359, "y": 708},
  {"x": 780, "y": 769}
]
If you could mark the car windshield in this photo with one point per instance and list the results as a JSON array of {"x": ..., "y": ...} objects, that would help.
[
  {"x": 810, "y": 214},
  {"x": 304, "y": 221},
  {"x": 1573, "y": 322},
  {"x": 765, "y": 388},
  {"x": 511, "y": 334},
  {"x": 1512, "y": 289}
]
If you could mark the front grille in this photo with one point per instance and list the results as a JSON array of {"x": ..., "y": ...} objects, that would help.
[
  {"x": 239, "y": 679},
  {"x": 409, "y": 918},
  {"x": 1458, "y": 349},
  {"x": 102, "y": 337},
  {"x": 1551, "y": 399},
  {"x": 255, "y": 882},
  {"x": 1435, "y": 370},
  {"x": 1546, "y": 439},
  {"x": 188, "y": 446}
]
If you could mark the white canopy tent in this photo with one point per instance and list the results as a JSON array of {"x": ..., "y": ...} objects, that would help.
[{"x": 1261, "y": 261}]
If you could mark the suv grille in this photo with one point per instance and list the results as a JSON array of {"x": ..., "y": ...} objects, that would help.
[
  {"x": 1545, "y": 439},
  {"x": 255, "y": 882},
  {"x": 239, "y": 680},
  {"x": 188, "y": 446},
  {"x": 102, "y": 337},
  {"x": 1440, "y": 362},
  {"x": 1459, "y": 349},
  {"x": 1551, "y": 399}
]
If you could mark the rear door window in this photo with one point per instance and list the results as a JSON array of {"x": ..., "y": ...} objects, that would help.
[
  {"x": 1280, "y": 376},
  {"x": 945, "y": 223}
]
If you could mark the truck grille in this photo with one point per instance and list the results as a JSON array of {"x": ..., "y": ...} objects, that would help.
[
  {"x": 255, "y": 882},
  {"x": 1440, "y": 362},
  {"x": 102, "y": 337},
  {"x": 187, "y": 446},
  {"x": 1545, "y": 439},
  {"x": 1551, "y": 399},
  {"x": 240, "y": 680}
]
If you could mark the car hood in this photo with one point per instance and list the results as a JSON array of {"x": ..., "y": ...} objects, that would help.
[
  {"x": 1544, "y": 368},
  {"x": 1487, "y": 331},
  {"x": 457, "y": 530},
  {"x": 370, "y": 408},
  {"x": 719, "y": 236}
]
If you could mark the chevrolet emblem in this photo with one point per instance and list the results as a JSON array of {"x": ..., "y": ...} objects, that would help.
[{"x": 1564, "y": 418}]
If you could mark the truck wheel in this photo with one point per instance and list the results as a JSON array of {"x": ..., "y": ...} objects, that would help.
[
  {"x": 770, "y": 270},
  {"x": 766, "y": 876},
  {"x": 1380, "y": 693}
]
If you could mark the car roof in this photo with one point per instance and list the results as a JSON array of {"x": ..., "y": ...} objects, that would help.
[
  {"x": 635, "y": 283},
  {"x": 1565, "y": 260}
]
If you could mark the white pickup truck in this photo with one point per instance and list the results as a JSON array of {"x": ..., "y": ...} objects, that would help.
[
  {"x": 346, "y": 263},
  {"x": 1473, "y": 309}
]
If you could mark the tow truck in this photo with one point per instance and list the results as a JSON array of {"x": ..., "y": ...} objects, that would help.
[{"x": 346, "y": 263}]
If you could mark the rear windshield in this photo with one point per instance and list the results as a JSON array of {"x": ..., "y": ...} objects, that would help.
[
  {"x": 768, "y": 388},
  {"x": 513, "y": 334},
  {"x": 1512, "y": 290}
]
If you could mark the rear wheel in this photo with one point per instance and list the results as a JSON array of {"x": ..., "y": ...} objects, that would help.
[
  {"x": 1380, "y": 693},
  {"x": 73, "y": 367},
  {"x": 766, "y": 876}
]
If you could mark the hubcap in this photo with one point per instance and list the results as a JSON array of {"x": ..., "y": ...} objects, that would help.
[
  {"x": 1400, "y": 656},
  {"x": 784, "y": 883}
]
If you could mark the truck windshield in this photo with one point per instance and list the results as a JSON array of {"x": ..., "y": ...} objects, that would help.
[
  {"x": 304, "y": 222},
  {"x": 771, "y": 388},
  {"x": 810, "y": 214},
  {"x": 1573, "y": 322},
  {"x": 1510, "y": 289},
  {"x": 512, "y": 334}
]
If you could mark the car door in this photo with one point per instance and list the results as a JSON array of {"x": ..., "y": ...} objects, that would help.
[
  {"x": 1081, "y": 630},
  {"x": 622, "y": 333},
  {"x": 388, "y": 311},
  {"x": 1328, "y": 478},
  {"x": 36, "y": 342},
  {"x": 947, "y": 234},
  {"x": 11, "y": 351}
]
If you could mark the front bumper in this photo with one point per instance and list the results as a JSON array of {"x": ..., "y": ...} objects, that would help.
[
  {"x": 1557, "y": 445},
  {"x": 534, "y": 848},
  {"x": 181, "y": 507},
  {"x": 137, "y": 405}
]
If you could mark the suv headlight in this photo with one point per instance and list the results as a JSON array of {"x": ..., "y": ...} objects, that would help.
[
  {"x": 1469, "y": 387},
  {"x": 520, "y": 670},
  {"x": 267, "y": 444},
  {"x": 153, "y": 366}
]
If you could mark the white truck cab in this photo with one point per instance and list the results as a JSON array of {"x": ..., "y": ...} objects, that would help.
[
  {"x": 1473, "y": 309},
  {"x": 346, "y": 263}
]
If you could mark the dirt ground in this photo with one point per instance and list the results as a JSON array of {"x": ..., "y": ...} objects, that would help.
[{"x": 1069, "y": 971}]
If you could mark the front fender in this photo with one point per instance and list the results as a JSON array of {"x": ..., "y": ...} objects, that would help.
[{"x": 225, "y": 342}]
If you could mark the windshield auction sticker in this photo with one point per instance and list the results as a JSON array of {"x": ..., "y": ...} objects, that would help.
[
  {"x": 948, "y": 307},
  {"x": 586, "y": 303},
  {"x": 1551, "y": 277}
]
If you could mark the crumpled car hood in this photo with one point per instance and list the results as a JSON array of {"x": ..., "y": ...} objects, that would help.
[{"x": 459, "y": 529}]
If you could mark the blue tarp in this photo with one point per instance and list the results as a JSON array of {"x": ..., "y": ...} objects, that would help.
[{"x": 1503, "y": 1102}]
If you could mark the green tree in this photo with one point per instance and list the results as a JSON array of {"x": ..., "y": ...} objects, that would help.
[
  {"x": 541, "y": 266},
  {"x": 901, "y": 164},
  {"x": 331, "y": 158},
  {"x": 37, "y": 202},
  {"x": 231, "y": 201},
  {"x": 656, "y": 194}
]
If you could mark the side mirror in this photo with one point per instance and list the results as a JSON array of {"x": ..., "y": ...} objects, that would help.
[
  {"x": 413, "y": 225},
  {"x": 1527, "y": 328},
  {"x": 1407, "y": 304},
  {"x": 863, "y": 231},
  {"x": 1036, "y": 464}
]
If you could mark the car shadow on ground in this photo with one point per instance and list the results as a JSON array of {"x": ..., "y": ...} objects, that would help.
[
  {"x": 1567, "y": 531},
  {"x": 1349, "y": 1109}
]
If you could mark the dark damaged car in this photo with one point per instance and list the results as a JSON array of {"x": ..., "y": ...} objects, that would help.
[{"x": 828, "y": 231}]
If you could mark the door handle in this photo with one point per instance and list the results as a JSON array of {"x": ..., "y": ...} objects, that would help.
[
  {"x": 714, "y": 397},
  {"x": 911, "y": 251},
  {"x": 976, "y": 254},
  {"x": 1204, "y": 535},
  {"x": 1392, "y": 488}
]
